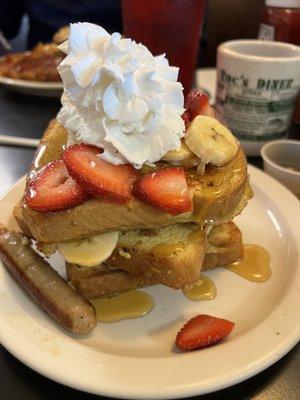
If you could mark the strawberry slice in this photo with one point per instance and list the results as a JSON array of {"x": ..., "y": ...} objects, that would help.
[
  {"x": 186, "y": 118},
  {"x": 165, "y": 189},
  {"x": 202, "y": 331},
  {"x": 52, "y": 189},
  {"x": 196, "y": 103},
  {"x": 100, "y": 178}
]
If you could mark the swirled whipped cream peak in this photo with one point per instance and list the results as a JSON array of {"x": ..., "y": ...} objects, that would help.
[{"x": 119, "y": 97}]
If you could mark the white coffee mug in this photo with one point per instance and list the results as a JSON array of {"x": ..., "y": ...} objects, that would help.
[{"x": 257, "y": 84}]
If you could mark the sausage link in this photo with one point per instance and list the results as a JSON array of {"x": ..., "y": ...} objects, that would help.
[{"x": 45, "y": 285}]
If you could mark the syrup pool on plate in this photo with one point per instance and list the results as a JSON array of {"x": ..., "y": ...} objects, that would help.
[
  {"x": 131, "y": 304},
  {"x": 254, "y": 266},
  {"x": 203, "y": 289}
]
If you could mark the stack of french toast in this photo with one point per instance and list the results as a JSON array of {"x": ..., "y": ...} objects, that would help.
[
  {"x": 145, "y": 245},
  {"x": 132, "y": 184}
]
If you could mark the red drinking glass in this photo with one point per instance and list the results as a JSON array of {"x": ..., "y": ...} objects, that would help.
[{"x": 167, "y": 26}]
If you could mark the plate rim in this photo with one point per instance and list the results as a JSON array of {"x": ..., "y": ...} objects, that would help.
[{"x": 285, "y": 345}]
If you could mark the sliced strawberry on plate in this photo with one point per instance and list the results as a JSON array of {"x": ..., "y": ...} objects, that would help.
[
  {"x": 165, "y": 189},
  {"x": 52, "y": 189},
  {"x": 100, "y": 178},
  {"x": 197, "y": 103},
  {"x": 202, "y": 331}
]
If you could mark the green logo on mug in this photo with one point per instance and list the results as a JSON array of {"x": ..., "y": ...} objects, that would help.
[
  {"x": 239, "y": 81},
  {"x": 274, "y": 84}
]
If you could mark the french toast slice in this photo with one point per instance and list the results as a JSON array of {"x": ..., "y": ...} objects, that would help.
[
  {"x": 223, "y": 246},
  {"x": 173, "y": 255},
  {"x": 218, "y": 195},
  {"x": 101, "y": 281}
]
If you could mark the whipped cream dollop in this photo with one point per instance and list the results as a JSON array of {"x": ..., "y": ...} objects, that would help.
[{"x": 119, "y": 97}]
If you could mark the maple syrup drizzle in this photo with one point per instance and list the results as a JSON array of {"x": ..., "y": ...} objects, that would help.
[
  {"x": 203, "y": 289},
  {"x": 168, "y": 250},
  {"x": 131, "y": 304},
  {"x": 254, "y": 266},
  {"x": 40, "y": 154},
  {"x": 196, "y": 236}
]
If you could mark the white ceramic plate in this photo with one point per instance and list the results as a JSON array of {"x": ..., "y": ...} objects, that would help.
[
  {"x": 136, "y": 358},
  {"x": 44, "y": 89}
]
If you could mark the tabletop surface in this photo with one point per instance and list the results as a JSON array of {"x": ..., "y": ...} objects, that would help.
[{"x": 28, "y": 116}]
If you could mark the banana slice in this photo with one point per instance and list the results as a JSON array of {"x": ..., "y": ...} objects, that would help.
[
  {"x": 182, "y": 156},
  {"x": 211, "y": 141},
  {"x": 91, "y": 251}
]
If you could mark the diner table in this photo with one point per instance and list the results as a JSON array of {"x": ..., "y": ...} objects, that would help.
[{"x": 28, "y": 116}]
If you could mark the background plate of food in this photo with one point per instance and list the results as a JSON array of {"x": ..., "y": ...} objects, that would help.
[{"x": 33, "y": 72}]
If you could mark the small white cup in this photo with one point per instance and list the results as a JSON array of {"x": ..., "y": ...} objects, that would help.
[
  {"x": 257, "y": 84},
  {"x": 282, "y": 161}
]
